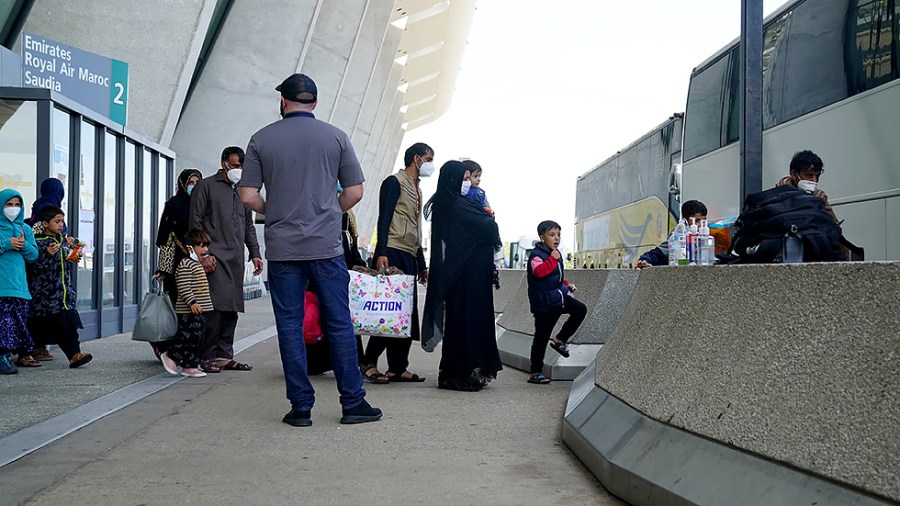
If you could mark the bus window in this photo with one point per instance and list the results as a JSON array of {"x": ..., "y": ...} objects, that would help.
[
  {"x": 872, "y": 61},
  {"x": 733, "y": 121},
  {"x": 807, "y": 70},
  {"x": 703, "y": 118}
]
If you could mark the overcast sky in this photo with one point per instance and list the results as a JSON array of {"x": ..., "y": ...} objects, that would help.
[{"x": 548, "y": 90}]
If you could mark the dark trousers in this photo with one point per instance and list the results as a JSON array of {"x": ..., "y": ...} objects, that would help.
[
  {"x": 543, "y": 326},
  {"x": 58, "y": 328},
  {"x": 330, "y": 276},
  {"x": 185, "y": 349},
  {"x": 397, "y": 353},
  {"x": 218, "y": 340}
]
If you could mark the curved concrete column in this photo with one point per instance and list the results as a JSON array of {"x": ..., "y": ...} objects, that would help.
[
  {"x": 258, "y": 46},
  {"x": 375, "y": 158},
  {"x": 362, "y": 66},
  {"x": 370, "y": 130},
  {"x": 328, "y": 55},
  {"x": 381, "y": 81}
]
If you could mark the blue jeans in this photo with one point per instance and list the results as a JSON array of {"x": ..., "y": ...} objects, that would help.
[{"x": 331, "y": 279}]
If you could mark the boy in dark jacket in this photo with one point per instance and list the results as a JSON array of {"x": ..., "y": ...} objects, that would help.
[
  {"x": 660, "y": 254},
  {"x": 550, "y": 296},
  {"x": 51, "y": 281}
]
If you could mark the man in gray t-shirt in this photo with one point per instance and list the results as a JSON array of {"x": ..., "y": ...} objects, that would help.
[{"x": 299, "y": 160}]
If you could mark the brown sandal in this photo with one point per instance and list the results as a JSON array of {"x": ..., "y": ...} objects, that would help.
[
  {"x": 376, "y": 377},
  {"x": 232, "y": 365},
  {"x": 400, "y": 378},
  {"x": 28, "y": 361},
  {"x": 210, "y": 366},
  {"x": 41, "y": 355},
  {"x": 79, "y": 359}
]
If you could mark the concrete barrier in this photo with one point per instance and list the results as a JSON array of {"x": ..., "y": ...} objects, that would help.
[
  {"x": 509, "y": 286},
  {"x": 775, "y": 381},
  {"x": 617, "y": 286},
  {"x": 604, "y": 292}
]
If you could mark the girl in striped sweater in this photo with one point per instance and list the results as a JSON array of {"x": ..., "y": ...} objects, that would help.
[{"x": 192, "y": 304}]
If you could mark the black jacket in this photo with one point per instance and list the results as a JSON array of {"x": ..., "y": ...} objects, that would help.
[{"x": 547, "y": 293}]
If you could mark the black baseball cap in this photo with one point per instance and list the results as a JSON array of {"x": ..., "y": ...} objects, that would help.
[{"x": 299, "y": 88}]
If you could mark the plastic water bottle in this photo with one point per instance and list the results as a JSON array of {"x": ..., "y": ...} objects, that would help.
[
  {"x": 693, "y": 243},
  {"x": 678, "y": 245},
  {"x": 671, "y": 243},
  {"x": 707, "y": 245},
  {"x": 792, "y": 247}
]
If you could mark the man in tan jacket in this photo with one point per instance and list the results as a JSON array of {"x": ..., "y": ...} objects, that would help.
[
  {"x": 400, "y": 245},
  {"x": 805, "y": 171}
]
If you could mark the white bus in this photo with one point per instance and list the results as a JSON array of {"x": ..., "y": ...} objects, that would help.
[
  {"x": 626, "y": 205},
  {"x": 830, "y": 84}
]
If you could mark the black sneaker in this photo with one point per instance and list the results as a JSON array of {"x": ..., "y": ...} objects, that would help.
[
  {"x": 297, "y": 418},
  {"x": 361, "y": 413}
]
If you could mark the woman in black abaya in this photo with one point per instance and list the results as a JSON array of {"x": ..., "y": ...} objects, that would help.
[
  {"x": 173, "y": 225},
  {"x": 459, "y": 304}
]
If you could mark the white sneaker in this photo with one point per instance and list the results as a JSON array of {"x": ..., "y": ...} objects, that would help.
[
  {"x": 169, "y": 364},
  {"x": 193, "y": 372}
]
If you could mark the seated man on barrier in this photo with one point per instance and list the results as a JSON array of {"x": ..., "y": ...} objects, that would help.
[
  {"x": 805, "y": 171},
  {"x": 784, "y": 225},
  {"x": 660, "y": 254}
]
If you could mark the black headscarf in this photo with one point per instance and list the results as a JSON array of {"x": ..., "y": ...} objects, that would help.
[
  {"x": 52, "y": 193},
  {"x": 176, "y": 214},
  {"x": 458, "y": 226}
]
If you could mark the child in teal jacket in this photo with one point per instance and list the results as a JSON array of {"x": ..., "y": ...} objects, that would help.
[{"x": 17, "y": 247}]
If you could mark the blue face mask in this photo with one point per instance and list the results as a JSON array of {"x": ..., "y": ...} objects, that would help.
[
  {"x": 189, "y": 189},
  {"x": 340, "y": 189}
]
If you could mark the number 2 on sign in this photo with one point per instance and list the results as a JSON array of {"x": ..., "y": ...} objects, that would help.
[{"x": 118, "y": 99}]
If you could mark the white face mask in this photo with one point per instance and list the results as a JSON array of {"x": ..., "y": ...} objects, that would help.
[
  {"x": 426, "y": 169},
  {"x": 12, "y": 212},
  {"x": 194, "y": 256},
  {"x": 807, "y": 186},
  {"x": 465, "y": 187},
  {"x": 234, "y": 175}
]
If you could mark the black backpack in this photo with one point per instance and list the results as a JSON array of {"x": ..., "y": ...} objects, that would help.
[{"x": 768, "y": 215}]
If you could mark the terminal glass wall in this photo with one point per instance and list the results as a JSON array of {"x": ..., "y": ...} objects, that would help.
[
  {"x": 18, "y": 148},
  {"x": 129, "y": 291},
  {"x": 146, "y": 198},
  {"x": 162, "y": 193},
  {"x": 109, "y": 221},
  {"x": 115, "y": 184},
  {"x": 86, "y": 214},
  {"x": 59, "y": 164}
]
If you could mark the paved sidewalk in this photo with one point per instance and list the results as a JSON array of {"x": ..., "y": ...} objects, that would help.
[
  {"x": 220, "y": 440},
  {"x": 36, "y": 394}
]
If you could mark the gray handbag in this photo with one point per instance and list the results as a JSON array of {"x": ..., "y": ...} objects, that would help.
[{"x": 156, "y": 321}]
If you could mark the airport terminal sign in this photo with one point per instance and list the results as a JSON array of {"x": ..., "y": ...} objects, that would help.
[{"x": 92, "y": 80}]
